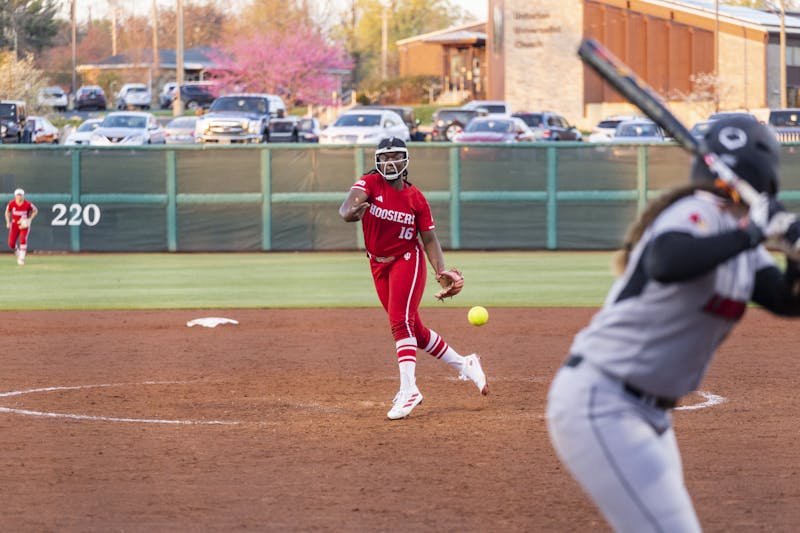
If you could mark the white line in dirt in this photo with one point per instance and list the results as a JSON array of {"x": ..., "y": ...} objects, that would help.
[{"x": 28, "y": 412}]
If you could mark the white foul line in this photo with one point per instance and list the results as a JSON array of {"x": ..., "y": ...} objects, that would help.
[
  {"x": 104, "y": 418},
  {"x": 711, "y": 399}
]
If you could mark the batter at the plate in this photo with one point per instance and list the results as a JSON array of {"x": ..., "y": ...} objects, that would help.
[{"x": 690, "y": 265}]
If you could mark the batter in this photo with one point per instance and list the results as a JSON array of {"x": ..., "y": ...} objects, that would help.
[
  {"x": 691, "y": 264},
  {"x": 395, "y": 215}
]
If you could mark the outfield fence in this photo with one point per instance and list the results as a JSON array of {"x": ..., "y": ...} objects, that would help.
[{"x": 286, "y": 197}]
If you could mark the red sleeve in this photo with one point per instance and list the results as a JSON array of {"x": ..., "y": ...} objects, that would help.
[{"x": 365, "y": 183}]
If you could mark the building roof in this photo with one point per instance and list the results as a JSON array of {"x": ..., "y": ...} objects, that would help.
[
  {"x": 767, "y": 20},
  {"x": 197, "y": 58},
  {"x": 469, "y": 33},
  {"x": 460, "y": 36}
]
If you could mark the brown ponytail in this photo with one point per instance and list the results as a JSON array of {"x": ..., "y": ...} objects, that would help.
[{"x": 653, "y": 209}]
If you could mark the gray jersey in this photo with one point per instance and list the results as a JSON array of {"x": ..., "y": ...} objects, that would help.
[{"x": 660, "y": 337}]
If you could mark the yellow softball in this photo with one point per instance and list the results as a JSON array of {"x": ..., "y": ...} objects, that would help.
[{"x": 478, "y": 316}]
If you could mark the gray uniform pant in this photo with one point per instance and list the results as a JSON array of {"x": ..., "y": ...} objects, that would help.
[{"x": 621, "y": 451}]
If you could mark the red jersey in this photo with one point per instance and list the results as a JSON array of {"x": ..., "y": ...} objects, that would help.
[
  {"x": 394, "y": 218},
  {"x": 19, "y": 211}
]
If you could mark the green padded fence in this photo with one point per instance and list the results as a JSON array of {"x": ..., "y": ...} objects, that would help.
[{"x": 286, "y": 196}]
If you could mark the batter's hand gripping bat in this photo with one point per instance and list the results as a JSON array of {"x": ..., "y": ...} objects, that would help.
[{"x": 622, "y": 78}]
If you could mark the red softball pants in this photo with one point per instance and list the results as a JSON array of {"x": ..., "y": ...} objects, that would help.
[
  {"x": 400, "y": 285},
  {"x": 15, "y": 233}
]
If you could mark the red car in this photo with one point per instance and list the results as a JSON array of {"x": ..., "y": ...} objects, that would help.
[{"x": 90, "y": 96}]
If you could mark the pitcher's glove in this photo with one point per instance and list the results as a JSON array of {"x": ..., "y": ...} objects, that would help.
[
  {"x": 451, "y": 281},
  {"x": 23, "y": 223}
]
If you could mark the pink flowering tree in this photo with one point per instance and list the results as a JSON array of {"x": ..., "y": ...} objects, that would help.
[{"x": 297, "y": 63}]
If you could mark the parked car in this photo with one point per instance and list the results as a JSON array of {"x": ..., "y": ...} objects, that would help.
[
  {"x": 786, "y": 123},
  {"x": 128, "y": 128},
  {"x": 180, "y": 130},
  {"x": 89, "y": 97},
  {"x": 450, "y": 121},
  {"x": 549, "y": 126},
  {"x": 731, "y": 114},
  {"x": 365, "y": 126},
  {"x": 277, "y": 108},
  {"x": 638, "y": 131},
  {"x": 193, "y": 96},
  {"x": 284, "y": 130},
  {"x": 496, "y": 130},
  {"x": 700, "y": 128},
  {"x": 310, "y": 130},
  {"x": 409, "y": 117},
  {"x": 53, "y": 97},
  {"x": 493, "y": 107},
  {"x": 166, "y": 96},
  {"x": 605, "y": 129},
  {"x": 83, "y": 133},
  {"x": 42, "y": 131},
  {"x": 133, "y": 96},
  {"x": 13, "y": 115}
]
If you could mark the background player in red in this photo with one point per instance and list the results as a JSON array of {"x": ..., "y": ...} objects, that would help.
[
  {"x": 395, "y": 216},
  {"x": 19, "y": 215}
]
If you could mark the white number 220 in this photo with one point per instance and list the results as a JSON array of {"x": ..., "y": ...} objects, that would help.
[{"x": 88, "y": 214}]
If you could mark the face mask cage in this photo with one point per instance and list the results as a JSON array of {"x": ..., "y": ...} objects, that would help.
[{"x": 391, "y": 170}]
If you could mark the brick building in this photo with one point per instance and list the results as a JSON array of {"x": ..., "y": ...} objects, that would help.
[{"x": 699, "y": 57}]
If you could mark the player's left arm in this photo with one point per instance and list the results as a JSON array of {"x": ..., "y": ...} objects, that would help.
[
  {"x": 433, "y": 249},
  {"x": 34, "y": 212}
]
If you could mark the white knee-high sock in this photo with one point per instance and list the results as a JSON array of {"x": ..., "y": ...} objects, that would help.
[
  {"x": 438, "y": 348},
  {"x": 407, "y": 361}
]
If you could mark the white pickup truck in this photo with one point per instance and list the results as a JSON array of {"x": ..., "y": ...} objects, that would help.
[{"x": 239, "y": 118}]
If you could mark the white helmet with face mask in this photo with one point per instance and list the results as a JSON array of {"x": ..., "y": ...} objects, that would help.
[{"x": 396, "y": 167}]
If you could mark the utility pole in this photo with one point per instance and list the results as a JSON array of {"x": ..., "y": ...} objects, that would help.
[
  {"x": 113, "y": 4},
  {"x": 716, "y": 55},
  {"x": 384, "y": 41},
  {"x": 177, "y": 105},
  {"x": 74, "y": 50},
  {"x": 783, "y": 55},
  {"x": 155, "y": 48}
]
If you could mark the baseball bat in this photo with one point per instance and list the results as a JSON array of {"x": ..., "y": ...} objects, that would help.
[{"x": 623, "y": 79}]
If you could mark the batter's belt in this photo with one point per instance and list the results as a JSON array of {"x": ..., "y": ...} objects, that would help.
[{"x": 660, "y": 402}]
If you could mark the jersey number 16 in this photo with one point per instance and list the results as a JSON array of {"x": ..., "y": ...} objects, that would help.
[{"x": 407, "y": 233}]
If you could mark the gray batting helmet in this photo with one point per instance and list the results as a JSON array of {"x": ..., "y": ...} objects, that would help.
[{"x": 746, "y": 145}]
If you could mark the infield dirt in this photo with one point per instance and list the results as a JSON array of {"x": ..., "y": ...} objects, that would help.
[{"x": 123, "y": 441}]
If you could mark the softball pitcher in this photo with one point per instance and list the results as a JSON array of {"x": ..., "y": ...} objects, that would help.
[
  {"x": 692, "y": 261},
  {"x": 19, "y": 215},
  {"x": 394, "y": 216}
]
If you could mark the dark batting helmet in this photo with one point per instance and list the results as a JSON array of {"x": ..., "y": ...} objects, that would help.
[
  {"x": 746, "y": 145},
  {"x": 396, "y": 167}
]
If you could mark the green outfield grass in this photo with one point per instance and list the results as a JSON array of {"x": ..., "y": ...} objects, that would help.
[{"x": 308, "y": 279}]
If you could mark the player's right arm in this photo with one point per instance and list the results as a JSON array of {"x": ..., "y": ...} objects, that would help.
[
  {"x": 354, "y": 206},
  {"x": 8, "y": 217},
  {"x": 776, "y": 291}
]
